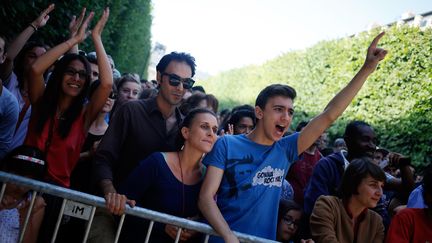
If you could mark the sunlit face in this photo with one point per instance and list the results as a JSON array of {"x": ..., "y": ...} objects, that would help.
[
  {"x": 129, "y": 91},
  {"x": 94, "y": 72},
  {"x": 288, "y": 225},
  {"x": 276, "y": 117},
  {"x": 169, "y": 94},
  {"x": 13, "y": 195},
  {"x": 244, "y": 126},
  {"x": 202, "y": 132},
  {"x": 31, "y": 56},
  {"x": 108, "y": 105},
  {"x": 369, "y": 191},
  {"x": 74, "y": 78}
]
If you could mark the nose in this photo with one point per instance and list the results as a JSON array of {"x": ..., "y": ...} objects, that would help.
[{"x": 76, "y": 76}]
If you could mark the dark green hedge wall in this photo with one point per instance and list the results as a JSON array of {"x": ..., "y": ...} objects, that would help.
[{"x": 396, "y": 100}]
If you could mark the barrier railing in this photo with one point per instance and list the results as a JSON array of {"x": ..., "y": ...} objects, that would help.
[{"x": 82, "y": 205}]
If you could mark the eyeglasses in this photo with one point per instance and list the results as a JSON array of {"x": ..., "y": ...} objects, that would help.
[
  {"x": 72, "y": 72},
  {"x": 113, "y": 95},
  {"x": 290, "y": 221},
  {"x": 175, "y": 80}
]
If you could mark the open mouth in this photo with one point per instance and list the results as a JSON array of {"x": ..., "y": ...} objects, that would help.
[
  {"x": 75, "y": 86},
  {"x": 280, "y": 128}
]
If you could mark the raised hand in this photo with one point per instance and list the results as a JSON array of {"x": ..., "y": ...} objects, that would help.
[
  {"x": 43, "y": 17},
  {"x": 97, "y": 30},
  {"x": 375, "y": 54},
  {"x": 82, "y": 32},
  {"x": 75, "y": 23}
]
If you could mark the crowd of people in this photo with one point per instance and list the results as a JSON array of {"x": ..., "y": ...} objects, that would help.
[{"x": 70, "y": 118}]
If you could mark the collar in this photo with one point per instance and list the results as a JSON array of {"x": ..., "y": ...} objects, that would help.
[{"x": 360, "y": 217}]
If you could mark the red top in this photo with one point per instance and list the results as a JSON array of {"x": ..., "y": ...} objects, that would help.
[
  {"x": 300, "y": 173},
  {"x": 410, "y": 225},
  {"x": 62, "y": 154}
]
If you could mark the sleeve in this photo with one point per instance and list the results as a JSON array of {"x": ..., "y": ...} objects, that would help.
[
  {"x": 322, "y": 222},
  {"x": 318, "y": 185},
  {"x": 290, "y": 145},
  {"x": 218, "y": 155},
  {"x": 141, "y": 178},
  {"x": 415, "y": 199},
  {"x": 8, "y": 118},
  {"x": 399, "y": 230},
  {"x": 108, "y": 151}
]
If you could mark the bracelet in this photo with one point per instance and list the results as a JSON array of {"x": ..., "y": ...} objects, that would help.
[{"x": 33, "y": 26}]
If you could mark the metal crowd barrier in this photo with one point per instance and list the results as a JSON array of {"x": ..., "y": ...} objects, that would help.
[{"x": 82, "y": 205}]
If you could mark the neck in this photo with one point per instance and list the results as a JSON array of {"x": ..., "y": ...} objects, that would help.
[
  {"x": 64, "y": 103},
  {"x": 258, "y": 136},
  {"x": 190, "y": 158},
  {"x": 355, "y": 207},
  {"x": 165, "y": 108}
]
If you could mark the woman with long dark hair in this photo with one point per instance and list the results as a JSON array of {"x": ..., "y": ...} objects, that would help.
[{"x": 61, "y": 117}]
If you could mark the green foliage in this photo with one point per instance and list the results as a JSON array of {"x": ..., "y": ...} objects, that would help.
[
  {"x": 126, "y": 36},
  {"x": 396, "y": 100}
]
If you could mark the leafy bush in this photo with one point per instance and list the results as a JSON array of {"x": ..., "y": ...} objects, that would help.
[
  {"x": 396, "y": 100},
  {"x": 126, "y": 36}
]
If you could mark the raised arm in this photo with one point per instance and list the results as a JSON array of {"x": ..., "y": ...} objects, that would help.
[
  {"x": 105, "y": 73},
  {"x": 37, "y": 85},
  {"x": 19, "y": 42},
  {"x": 208, "y": 207},
  {"x": 341, "y": 101},
  {"x": 74, "y": 25}
]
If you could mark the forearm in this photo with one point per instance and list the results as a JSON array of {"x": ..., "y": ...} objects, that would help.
[
  {"x": 45, "y": 61},
  {"x": 19, "y": 42},
  {"x": 341, "y": 101},
  {"x": 211, "y": 212},
  {"x": 107, "y": 186},
  {"x": 105, "y": 72}
]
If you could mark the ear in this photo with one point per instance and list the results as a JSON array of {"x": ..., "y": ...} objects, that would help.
[
  {"x": 3, "y": 58},
  {"x": 185, "y": 132},
  {"x": 258, "y": 112},
  {"x": 159, "y": 78}
]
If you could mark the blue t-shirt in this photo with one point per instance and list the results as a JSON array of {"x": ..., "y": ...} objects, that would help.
[
  {"x": 153, "y": 186},
  {"x": 250, "y": 189}
]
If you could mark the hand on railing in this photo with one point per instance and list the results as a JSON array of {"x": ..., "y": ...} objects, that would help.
[
  {"x": 172, "y": 230},
  {"x": 116, "y": 203}
]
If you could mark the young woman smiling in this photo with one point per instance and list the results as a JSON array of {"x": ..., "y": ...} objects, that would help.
[{"x": 60, "y": 117}]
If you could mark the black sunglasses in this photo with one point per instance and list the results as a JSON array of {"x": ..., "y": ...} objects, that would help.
[
  {"x": 175, "y": 80},
  {"x": 71, "y": 72}
]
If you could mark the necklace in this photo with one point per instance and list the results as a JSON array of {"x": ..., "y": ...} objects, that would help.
[{"x": 182, "y": 182}]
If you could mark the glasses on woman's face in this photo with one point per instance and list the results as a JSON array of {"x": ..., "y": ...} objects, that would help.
[
  {"x": 289, "y": 221},
  {"x": 82, "y": 74},
  {"x": 175, "y": 80}
]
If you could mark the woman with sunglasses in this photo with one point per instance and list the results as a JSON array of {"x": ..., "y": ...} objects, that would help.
[
  {"x": 60, "y": 117},
  {"x": 347, "y": 218}
]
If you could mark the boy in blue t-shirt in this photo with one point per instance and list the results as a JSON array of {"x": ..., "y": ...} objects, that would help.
[{"x": 245, "y": 172}]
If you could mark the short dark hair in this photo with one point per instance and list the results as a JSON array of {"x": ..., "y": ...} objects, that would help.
[
  {"x": 25, "y": 160},
  {"x": 187, "y": 121},
  {"x": 238, "y": 115},
  {"x": 352, "y": 129},
  {"x": 285, "y": 206},
  {"x": 92, "y": 59},
  {"x": 178, "y": 57},
  {"x": 357, "y": 170},
  {"x": 199, "y": 88},
  {"x": 272, "y": 91}
]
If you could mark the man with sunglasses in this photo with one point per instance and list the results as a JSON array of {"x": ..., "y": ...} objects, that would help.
[{"x": 140, "y": 128}]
